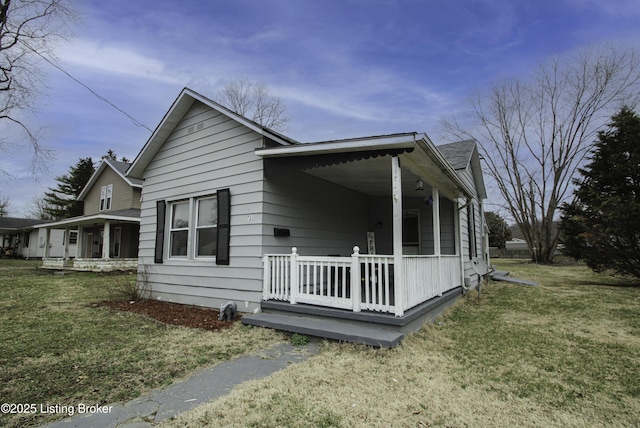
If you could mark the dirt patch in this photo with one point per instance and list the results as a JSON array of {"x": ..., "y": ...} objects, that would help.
[{"x": 173, "y": 313}]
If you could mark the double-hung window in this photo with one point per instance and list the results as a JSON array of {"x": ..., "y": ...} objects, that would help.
[
  {"x": 179, "y": 229},
  {"x": 207, "y": 226},
  {"x": 106, "y": 195},
  {"x": 198, "y": 227},
  {"x": 194, "y": 227}
]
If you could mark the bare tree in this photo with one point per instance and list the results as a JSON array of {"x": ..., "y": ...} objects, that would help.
[
  {"x": 29, "y": 29},
  {"x": 253, "y": 101},
  {"x": 536, "y": 133},
  {"x": 5, "y": 204},
  {"x": 40, "y": 209}
]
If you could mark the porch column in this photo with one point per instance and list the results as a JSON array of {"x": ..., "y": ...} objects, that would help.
[
  {"x": 67, "y": 242},
  {"x": 398, "y": 263},
  {"x": 437, "y": 249},
  {"x": 47, "y": 242},
  {"x": 106, "y": 240},
  {"x": 435, "y": 207},
  {"x": 79, "y": 243}
]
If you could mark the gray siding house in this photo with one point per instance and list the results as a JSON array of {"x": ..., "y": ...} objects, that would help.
[{"x": 233, "y": 211}]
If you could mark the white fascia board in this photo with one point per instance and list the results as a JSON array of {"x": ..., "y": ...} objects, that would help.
[
  {"x": 79, "y": 221},
  {"x": 404, "y": 141}
]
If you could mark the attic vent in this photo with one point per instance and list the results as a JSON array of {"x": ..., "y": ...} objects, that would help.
[{"x": 194, "y": 128}]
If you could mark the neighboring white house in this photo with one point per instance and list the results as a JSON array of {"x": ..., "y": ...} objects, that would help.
[
  {"x": 233, "y": 211},
  {"x": 21, "y": 239}
]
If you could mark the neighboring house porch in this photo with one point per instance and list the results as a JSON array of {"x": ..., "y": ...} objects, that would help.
[{"x": 104, "y": 242}]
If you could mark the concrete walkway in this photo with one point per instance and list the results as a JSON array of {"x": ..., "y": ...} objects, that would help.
[{"x": 201, "y": 387}]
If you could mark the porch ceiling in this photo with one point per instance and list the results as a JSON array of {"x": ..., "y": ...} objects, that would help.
[
  {"x": 369, "y": 177},
  {"x": 364, "y": 165}
]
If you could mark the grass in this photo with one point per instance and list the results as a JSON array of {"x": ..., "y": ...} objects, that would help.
[
  {"x": 58, "y": 347},
  {"x": 566, "y": 353}
]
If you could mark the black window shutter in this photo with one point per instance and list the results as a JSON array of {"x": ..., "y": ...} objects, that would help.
[
  {"x": 161, "y": 209},
  {"x": 224, "y": 221}
]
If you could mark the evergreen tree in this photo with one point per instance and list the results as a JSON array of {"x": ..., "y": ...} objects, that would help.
[
  {"x": 602, "y": 224},
  {"x": 499, "y": 232},
  {"x": 62, "y": 202}
]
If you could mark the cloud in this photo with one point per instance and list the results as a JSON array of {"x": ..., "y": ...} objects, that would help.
[{"x": 117, "y": 60}]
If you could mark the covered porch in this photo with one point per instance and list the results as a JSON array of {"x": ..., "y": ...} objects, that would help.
[
  {"x": 406, "y": 233},
  {"x": 104, "y": 242}
]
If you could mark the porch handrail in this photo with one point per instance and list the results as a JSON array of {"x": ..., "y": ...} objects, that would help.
[{"x": 358, "y": 282}]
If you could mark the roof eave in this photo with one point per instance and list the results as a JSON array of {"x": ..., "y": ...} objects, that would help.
[
  {"x": 174, "y": 115},
  {"x": 399, "y": 141}
]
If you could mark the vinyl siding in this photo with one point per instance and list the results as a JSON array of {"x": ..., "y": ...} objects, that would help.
[
  {"x": 323, "y": 218},
  {"x": 207, "y": 152},
  {"x": 467, "y": 177},
  {"x": 124, "y": 196}
]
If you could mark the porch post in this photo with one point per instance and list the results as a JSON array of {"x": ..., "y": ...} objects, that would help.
[
  {"x": 106, "y": 240},
  {"x": 67, "y": 241},
  {"x": 398, "y": 265},
  {"x": 79, "y": 243},
  {"x": 356, "y": 294},
  {"x": 293, "y": 281},
  {"x": 47, "y": 242},
  {"x": 437, "y": 249}
]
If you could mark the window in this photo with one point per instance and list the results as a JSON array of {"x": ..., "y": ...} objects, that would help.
[
  {"x": 198, "y": 228},
  {"x": 207, "y": 227},
  {"x": 73, "y": 237},
  {"x": 411, "y": 232},
  {"x": 471, "y": 230},
  {"x": 117, "y": 239},
  {"x": 109, "y": 196},
  {"x": 106, "y": 195},
  {"x": 203, "y": 231},
  {"x": 103, "y": 197},
  {"x": 179, "y": 229}
]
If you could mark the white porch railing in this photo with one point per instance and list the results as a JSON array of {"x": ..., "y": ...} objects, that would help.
[
  {"x": 429, "y": 276},
  {"x": 329, "y": 281}
]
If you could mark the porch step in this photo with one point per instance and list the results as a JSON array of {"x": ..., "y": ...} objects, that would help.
[
  {"x": 371, "y": 328},
  {"x": 330, "y": 328}
]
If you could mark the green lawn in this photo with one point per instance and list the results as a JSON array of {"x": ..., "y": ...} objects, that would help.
[
  {"x": 58, "y": 347},
  {"x": 566, "y": 353}
]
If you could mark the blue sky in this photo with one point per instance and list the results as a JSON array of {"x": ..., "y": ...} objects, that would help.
[{"x": 344, "y": 68}]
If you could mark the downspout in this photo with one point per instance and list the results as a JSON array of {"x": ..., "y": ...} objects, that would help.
[{"x": 465, "y": 288}]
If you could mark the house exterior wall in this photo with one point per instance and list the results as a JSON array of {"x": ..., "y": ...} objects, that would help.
[
  {"x": 30, "y": 250},
  {"x": 323, "y": 218},
  {"x": 381, "y": 213},
  {"x": 477, "y": 214},
  {"x": 56, "y": 243},
  {"x": 124, "y": 196},
  {"x": 207, "y": 152}
]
